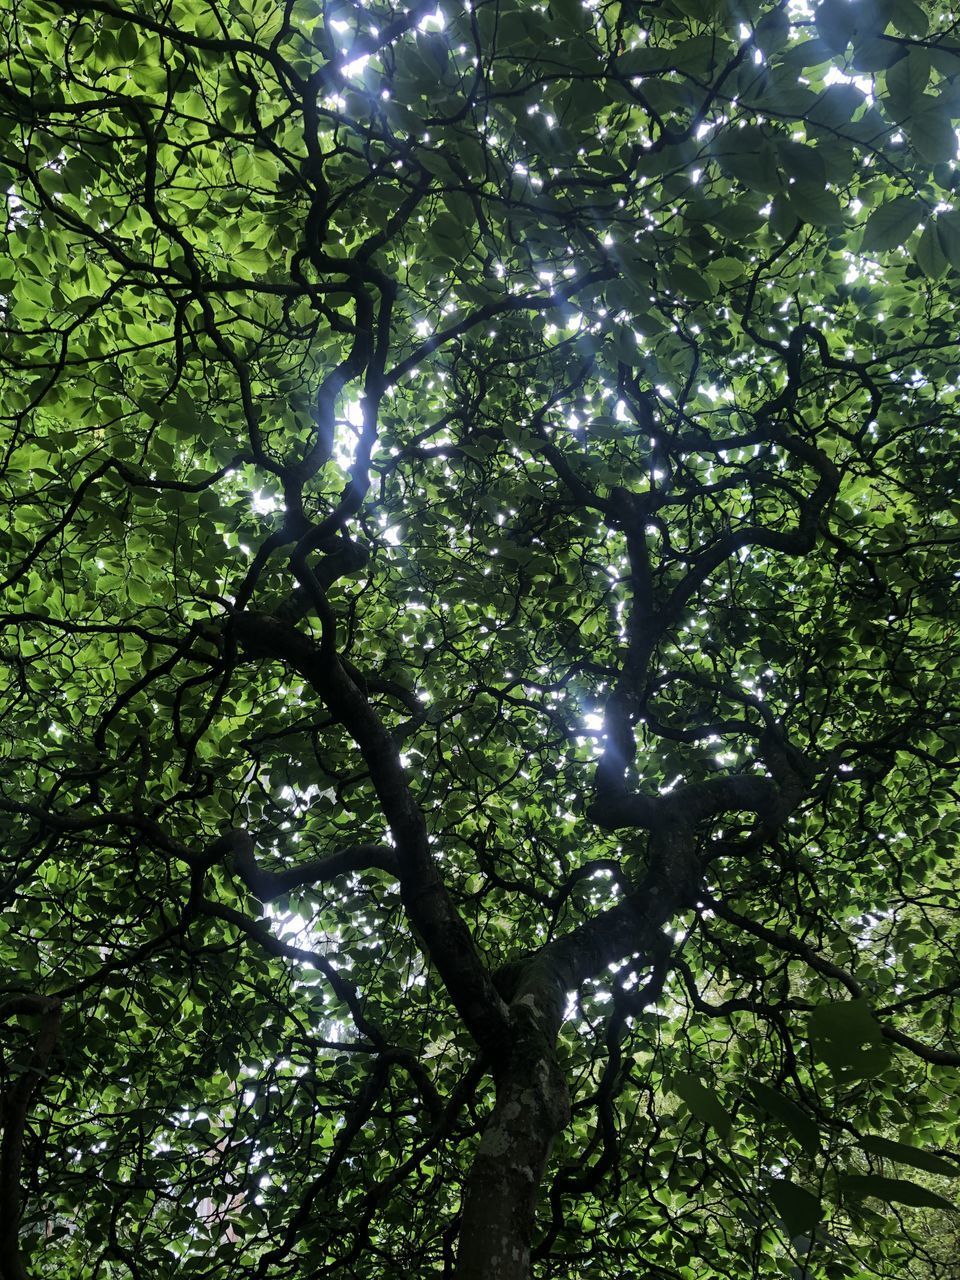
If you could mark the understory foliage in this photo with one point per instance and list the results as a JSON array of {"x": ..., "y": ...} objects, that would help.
[{"x": 479, "y": 639}]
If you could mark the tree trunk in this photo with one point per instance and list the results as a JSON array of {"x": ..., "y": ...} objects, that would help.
[
  {"x": 532, "y": 1101},
  {"x": 15, "y": 1115},
  {"x": 532, "y": 1107},
  {"x": 502, "y": 1191}
]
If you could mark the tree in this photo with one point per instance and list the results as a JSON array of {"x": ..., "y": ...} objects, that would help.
[{"x": 480, "y": 634}]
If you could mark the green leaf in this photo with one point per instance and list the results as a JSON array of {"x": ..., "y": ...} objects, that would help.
[
  {"x": 789, "y": 1114},
  {"x": 948, "y": 237},
  {"x": 419, "y": 456},
  {"x": 737, "y": 219},
  {"x": 846, "y": 1036},
  {"x": 836, "y": 106},
  {"x": 799, "y": 1209},
  {"x": 726, "y": 268},
  {"x": 836, "y": 24},
  {"x": 783, "y": 220},
  {"x": 688, "y": 283},
  {"x": 891, "y": 224},
  {"x": 872, "y": 53},
  {"x": 703, "y": 1103},
  {"x": 747, "y": 156},
  {"x": 814, "y": 205},
  {"x": 433, "y": 48},
  {"x": 571, "y": 13},
  {"x": 933, "y": 134},
  {"x": 929, "y": 254},
  {"x": 772, "y": 32},
  {"x": 907, "y": 79},
  {"x": 903, "y": 1154},
  {"x": 893, "y": 1191},
  {"x": 625, "y": 345},
  {"x": 908, "y": 18},
  {"x": 803, "y": 163}
]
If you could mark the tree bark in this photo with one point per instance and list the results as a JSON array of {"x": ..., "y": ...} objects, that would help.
[
  {"x": 15, "y": 1115},
  {"x": 532, "y": 1101},
  {"x": 500, "y": 1204}
]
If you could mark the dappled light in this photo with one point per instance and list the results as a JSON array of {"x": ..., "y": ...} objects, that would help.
[{"x": 480, "y": 640}]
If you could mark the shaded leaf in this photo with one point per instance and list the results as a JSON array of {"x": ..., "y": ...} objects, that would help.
[
  {"x": 799, "y": 1209},
  {"x": 933, "y": 134},
  {"x": 893, "y": 1191},
  {"x": 789, "y": 1114},
  {"x": 929, "y": 254},
  {"x": 948, "y": 237},
  {"x": 836, "y": 24},
  {"x": 846, "y": 1036},
  {"x": 891, "y": 224},
  {"x": 903, "y": 1154},
  {"x": 703, "y": 1102},
  {"x": 814, "y": 205}
]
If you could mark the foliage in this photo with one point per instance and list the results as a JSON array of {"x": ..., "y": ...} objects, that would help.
[{"x": 479, "y": 638}]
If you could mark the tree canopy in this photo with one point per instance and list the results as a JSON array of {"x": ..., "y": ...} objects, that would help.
[{"x": 479, "y": 618}]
